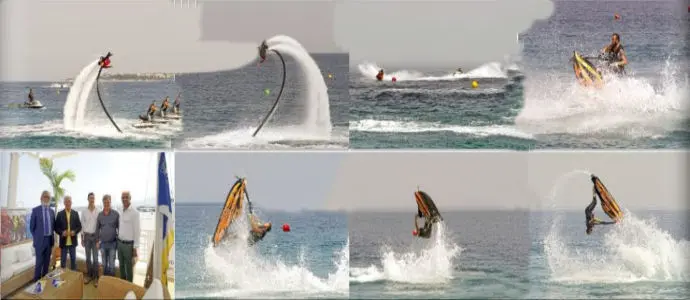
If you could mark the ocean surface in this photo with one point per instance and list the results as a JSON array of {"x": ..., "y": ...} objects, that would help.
[
  {"x": 45, "y": 128},
  {"x": 475, "y": 254},
  {"x": 545, "y": 108},
  {"x": 644, "y": 257},
  {"x": 436, "y": 109},
  {"x": 310, "y": 261},
  {"x": 646, "y": 109},
  {"x": 222, "y": 109}
]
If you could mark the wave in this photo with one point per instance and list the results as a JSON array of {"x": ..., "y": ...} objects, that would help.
[
  {"x": 493, "y": 70},
  {"x": 417, "y": 127}
]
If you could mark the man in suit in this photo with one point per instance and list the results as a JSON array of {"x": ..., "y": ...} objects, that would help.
[
  {"x": 67, "y": 226},
  {"x": 41, "y": 224}
]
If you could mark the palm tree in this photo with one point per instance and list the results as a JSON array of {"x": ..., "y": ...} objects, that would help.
[{"x": 56, "y": 178}]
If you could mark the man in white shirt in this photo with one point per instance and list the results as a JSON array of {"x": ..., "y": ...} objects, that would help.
[
  {"x": 128, "y": 237},
  {"x": 89, "y": 239}
]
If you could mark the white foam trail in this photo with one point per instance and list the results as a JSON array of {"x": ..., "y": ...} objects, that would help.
[
  {"x": 270, "y": 138},
  {"x": 318, "y": 120},
  {"x": 242, "y": 272},
  {"x": 634, "y": 250},
  {"x": 629, "y": 106},
  {"x": 489, "y": 70},
  {"x": 75, "y": 106},
  {"x": 416, "y": 127},
  {"x": 433, "y": 265}
]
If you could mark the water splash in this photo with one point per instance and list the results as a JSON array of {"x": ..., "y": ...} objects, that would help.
[
  {"x": 433, "y": 265},
  {"x": 489, "y": 70},
  {"x": 634, "y": 250},
  {"x": 75, "y": 107},
  {"x": 318, "y": 117}
]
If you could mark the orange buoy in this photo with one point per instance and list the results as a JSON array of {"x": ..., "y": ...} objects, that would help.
[
  {"x": 286, "y": 227},
  {"x": 394, "y": 79}
]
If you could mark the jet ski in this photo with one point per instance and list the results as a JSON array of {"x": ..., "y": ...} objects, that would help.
[{"x": 33, "y": 105}]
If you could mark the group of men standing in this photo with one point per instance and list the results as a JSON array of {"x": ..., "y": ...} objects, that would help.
[{"x": 107, "y": 230}]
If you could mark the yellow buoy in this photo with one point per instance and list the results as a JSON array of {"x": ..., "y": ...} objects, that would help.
[
  {"x": 267, "y": 92},
  {"x": 330, "y": 76},
  {"x": 475, "y": 84}
]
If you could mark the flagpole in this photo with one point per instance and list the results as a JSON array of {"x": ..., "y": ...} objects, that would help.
[{"x": 159, "y": 225}]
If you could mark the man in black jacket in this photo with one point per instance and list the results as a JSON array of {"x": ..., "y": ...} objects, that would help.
[{"x": 68, "y": 226}]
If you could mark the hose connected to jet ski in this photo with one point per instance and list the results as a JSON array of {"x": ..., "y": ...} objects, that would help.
[
  {"x": 262, "y": 53},
  {"x": 98, "y": 92}
]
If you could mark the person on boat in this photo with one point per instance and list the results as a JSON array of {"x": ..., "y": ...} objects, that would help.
[
  {"x": 151, "y": 111},
  {"x": 590, "y": 219},
  {"x": 104, "y": 61},
  {"x": 614, "y": 55},
  {"x": 424, "y": 232},
  {"x": 176, "y": 105},
  {"x": 259, "y": 229},
  {"x": 379, "y": 76},
  {"x": 165, "y": 105},
  {"x": 31, "y": 97}
]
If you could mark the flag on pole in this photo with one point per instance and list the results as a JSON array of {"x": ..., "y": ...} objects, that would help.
[{"x": 165, "y": 235}]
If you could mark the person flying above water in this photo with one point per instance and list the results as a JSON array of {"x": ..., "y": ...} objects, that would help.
[
  {"x": 590, "y": 220},
  {"x": 379, "y": 76},
  {"x": 104, "y": 61},
  {"x": 164, "y": 106},
  {"x": 614, "y": 55},
  {"x": 424, "y": 232},
  {"x": 262, "y": 51}
]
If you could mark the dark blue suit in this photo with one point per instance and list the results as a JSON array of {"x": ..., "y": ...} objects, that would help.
[{"x": 42, "y": 226}]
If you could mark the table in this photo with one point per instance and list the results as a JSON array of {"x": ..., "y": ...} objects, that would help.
[{"x": 72, "y": 288}]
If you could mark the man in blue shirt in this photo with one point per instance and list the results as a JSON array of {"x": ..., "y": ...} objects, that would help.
[{"x": 42, "y": 227}]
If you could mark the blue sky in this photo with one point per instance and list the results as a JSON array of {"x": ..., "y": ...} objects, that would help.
[{"x": 100, "y": 172}]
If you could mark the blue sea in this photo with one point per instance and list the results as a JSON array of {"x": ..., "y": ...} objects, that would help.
[
  {"x": 223, "y": 109},
  {"x": 310, "y": 261},
  {"x": 45, "y": 128}
]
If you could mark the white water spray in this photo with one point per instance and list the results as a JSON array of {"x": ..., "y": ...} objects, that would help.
[
  {"x": 633, "y": 250},
  {"x": 432, "y": 265},
  {"x": 75, "y": 106},
  {"x": 318, "y": 119}
]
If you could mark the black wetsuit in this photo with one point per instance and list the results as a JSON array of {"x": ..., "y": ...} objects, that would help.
[
  {"x": 424, "y": 232},
  {"x": 612, "y": 55},
  {"x": 590, "y": 221}
]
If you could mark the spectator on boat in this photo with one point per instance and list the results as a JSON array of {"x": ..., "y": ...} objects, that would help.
[{"x": 128, "y": 238}]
